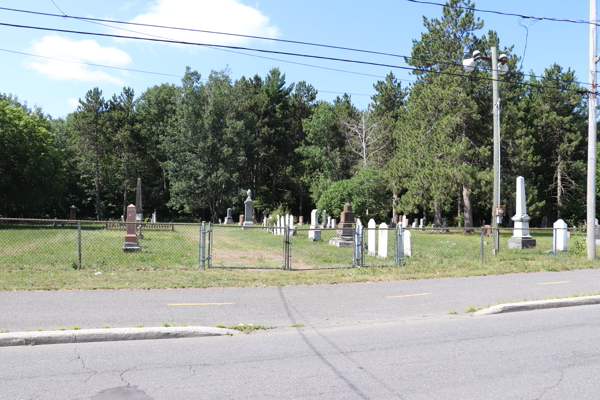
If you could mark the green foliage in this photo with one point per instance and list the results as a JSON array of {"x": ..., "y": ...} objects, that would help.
[
  {"x": 32, "y": 174},
  {"x": 365, "y": 191}
]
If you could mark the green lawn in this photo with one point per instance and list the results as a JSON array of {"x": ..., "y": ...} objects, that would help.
[{"x": 42, "y": 257}]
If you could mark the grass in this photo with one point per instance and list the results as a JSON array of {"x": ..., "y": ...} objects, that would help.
[
  {"x": 38, "y": 257},
  {"x": 247, "y": 328}
]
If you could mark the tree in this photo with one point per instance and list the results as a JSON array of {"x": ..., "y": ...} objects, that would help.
[
  {"x": 207, "y": 145},
  {"x": 89, "y": 125},
  {"x": 32, "y": 175},
  {"x": 365, "y": 191},
  {"x": 365, "y": 137}
]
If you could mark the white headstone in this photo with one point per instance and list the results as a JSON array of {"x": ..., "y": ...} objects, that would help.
[
  {"x": 314, "y": 235},
  {"x": 521, "y": 219},
  {"x": 421, "y": 223},
  {"x": 154, "y": 217},
  {"x": 405, "y": 222},
  {"x": 408, "y": 243},
  {"x": 333, "y": 223},
  {"x": 372, "y": 232},
  {"x": 358, "y": 222},
  {"x": 560, "y": 236},
  {"x": 122, "y": 219},
  {"x": 383, "y": 241}
]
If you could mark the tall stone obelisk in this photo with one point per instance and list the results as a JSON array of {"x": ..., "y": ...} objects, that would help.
[
  {"x": 139, "y": 212},
  {"x": 248, "y": 209},
  {"x": 521, "y": 238}
]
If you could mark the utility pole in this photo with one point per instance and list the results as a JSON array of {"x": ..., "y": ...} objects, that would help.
[
  {"x": 591, "y": 178},
  {"x": 496, "y": 122}
]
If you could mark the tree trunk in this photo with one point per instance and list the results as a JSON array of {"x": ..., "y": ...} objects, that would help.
[
  {"x": 98, "y": 213},
  {"x": 394, "y": 201},
  {"x": 459, "y": 201},
  {"x": 468, "y": 212},
  {"x": 438, "y": 215},
  {"x": 559, "y": 189},
  {"x": 126, "y": 186}
]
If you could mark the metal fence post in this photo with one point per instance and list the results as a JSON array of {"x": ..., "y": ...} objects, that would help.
[
  {"x": 210, "y": 239},
  {"x": 481, "y": 244},
  {"x": 399, "y": 244},
  {"x": 290, "y": 235},
  {"x": 79, "y": 249},
  {"x": 202, "y": 235}
]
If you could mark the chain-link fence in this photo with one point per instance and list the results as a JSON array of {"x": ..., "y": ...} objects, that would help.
[{"x": 66, "y": 244}]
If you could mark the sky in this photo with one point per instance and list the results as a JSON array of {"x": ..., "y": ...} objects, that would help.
[{"x": 33, "y": 66}]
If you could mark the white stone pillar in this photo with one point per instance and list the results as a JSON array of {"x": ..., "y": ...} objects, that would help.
[
  {"x": 408, "y": 243},
  {"x": 383, "y": 241},
  {"x": 560, "y": 236},
  {"x": 371, "y": 235}
]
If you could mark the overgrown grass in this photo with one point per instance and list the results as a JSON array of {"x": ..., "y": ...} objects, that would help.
[
  {"x": 42, "y": 257},
  {"x": 247, "y": 328}
]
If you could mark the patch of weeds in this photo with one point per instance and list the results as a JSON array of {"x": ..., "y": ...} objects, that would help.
[
  {"x": 108, "y": 326},
  {"x": 139, "y": 326},
  {"x": 75, "y": 327},
  {"x": 247, "y": 328},
  {"x": 471, "y": 309},
  {"x": 5, "y": 330},
  {"x": 452, "y": 312},
  {"x": 166, "y": 324},
  {"x": 297, "y": 326}
]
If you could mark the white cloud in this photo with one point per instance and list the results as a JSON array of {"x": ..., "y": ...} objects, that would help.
[
  {"x": 210, "y": 15},
  {"x": 73, "y": 102},
  {"x": 83, "y": 51}
]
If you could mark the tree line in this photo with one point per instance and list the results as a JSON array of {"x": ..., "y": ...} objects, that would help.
[{"x": 423, "y": 150}]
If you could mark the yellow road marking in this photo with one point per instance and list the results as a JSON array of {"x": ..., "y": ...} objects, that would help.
[
  {"x": 553, "y": 283},
  {"x": 407, "y": 295},
  {"x": 199, "y": 304}
]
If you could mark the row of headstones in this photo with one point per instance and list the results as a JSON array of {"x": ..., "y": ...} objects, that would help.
[
  {"x": 281, "y": 221},
  {"x": 377, "y": 240}
]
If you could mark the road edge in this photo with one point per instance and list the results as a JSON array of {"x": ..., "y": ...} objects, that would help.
[
  {"x": 108, "y": 335},
  {"x": 539, "y": 304}
]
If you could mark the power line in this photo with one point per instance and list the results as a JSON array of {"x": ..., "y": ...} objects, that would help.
[
  {"x": 581, "y": 21},
  {"x": 98, "y": 20},
  {"x": 58, "y": 8},
  {"x": 91, "y": 64},
  {"x": 144, "y": 72},
  {"x": 281, "y": 53},
  {"x": 91, "y": 20}
]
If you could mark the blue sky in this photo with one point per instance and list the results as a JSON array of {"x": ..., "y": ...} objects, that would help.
[{"x": 379, "y": 25}]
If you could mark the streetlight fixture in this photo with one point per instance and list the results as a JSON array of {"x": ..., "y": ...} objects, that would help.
[{"x": 499, "y": 67}]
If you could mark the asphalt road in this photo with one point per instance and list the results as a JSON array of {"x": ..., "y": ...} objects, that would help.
[
  {"x": 544, "y": 354},
  {"x": 319, "y": 306}
]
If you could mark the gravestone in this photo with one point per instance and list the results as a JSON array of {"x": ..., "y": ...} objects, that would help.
[
  {"x": 345, "y": 233},
  {"x": 405, "y": 222},
  {"x": 301, "y": 220},
  {"x": 241, "y": 219},
  {"x": 73, "y": 213},
  {"x": 248, "y": 209},
  {"x": 544, "y": 222},
  {"x": 421, "y": 223},
  {"x": 328, "y": 221},
  {"x": 383, "y": 241},
  {"x": 313, "y": 234},
  {"x": 122, "y": 218},
  {"x": 414, "y": 225},
  {"x": 371, "y": 235},
  {"x": 229, "y": 218},
  {"x": 444, "y": 225},
  {"x": 521, "y": 238},
  {"x": 154, "y": 217},
  {"x": 408, "y": 243},
  {"x": 131, "y": 240},
  {"x": 333, "y": 223},
  {"x": 324, "y": 219},
  {"x": 560, "y": 236},
  {"x": 139, "y": 212}
]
